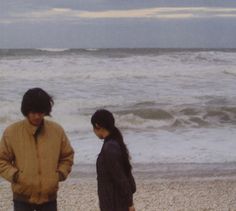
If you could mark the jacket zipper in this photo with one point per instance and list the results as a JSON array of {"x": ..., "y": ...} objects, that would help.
[{"x": 39, "y": 164}]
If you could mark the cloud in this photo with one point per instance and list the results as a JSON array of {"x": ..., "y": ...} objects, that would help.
[
  {"x": 6, "y": 21},
  {"x": 138, "y": 13},
  {"x": 47, "y": 14},
  {"x": 162, "y": 13},
  {"x": 227, "y": 15},
  {"x": 68, "y": 14}
]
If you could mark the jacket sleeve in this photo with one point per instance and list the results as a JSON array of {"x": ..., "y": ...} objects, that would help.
[
  {"x": 7, "y": 170},
  {"x": 121, "y": 181},
  {"x": 66, "y": 158}
]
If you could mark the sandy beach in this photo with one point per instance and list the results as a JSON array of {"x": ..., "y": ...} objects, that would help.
[{"x": 170, "y": 187}]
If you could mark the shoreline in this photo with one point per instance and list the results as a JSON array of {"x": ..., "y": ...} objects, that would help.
[
  {"x": 165, "y": 170},
  {"x": 160, "y": 187}
]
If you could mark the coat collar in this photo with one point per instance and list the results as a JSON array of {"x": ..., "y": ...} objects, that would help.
[
  {"x": 31, "y": 128},
  {"x": 108, "y": 138}
]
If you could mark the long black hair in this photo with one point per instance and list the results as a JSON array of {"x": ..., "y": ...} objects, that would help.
[{"x": 105, "y": 119}]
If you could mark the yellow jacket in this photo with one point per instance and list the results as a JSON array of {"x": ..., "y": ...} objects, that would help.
[{"x": 40, "y": 162}]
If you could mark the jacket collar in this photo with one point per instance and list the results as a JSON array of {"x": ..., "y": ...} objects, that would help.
[
  {"x": 108, "y": 138},
  {"x": 32, "y": 130}
]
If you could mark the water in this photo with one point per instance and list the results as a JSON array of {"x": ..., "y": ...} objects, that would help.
[{"x": 172, "y": 105}]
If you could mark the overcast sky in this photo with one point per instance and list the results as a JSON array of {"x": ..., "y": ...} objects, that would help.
[{"x": 117, "y": 23}]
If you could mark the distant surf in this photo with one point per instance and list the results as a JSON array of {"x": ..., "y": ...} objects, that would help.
[{"x": 173, "y": 105}]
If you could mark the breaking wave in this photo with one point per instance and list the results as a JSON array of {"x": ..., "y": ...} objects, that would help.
[{"x": 177, "y": 118}]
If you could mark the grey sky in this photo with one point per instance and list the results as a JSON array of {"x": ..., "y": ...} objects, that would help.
[{"x": 117, "y": 23}]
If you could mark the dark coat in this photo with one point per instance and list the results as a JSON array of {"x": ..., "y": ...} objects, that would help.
[{"x": 115, "y": 188}]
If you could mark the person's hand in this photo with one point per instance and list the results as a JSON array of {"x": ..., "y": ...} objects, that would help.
[{"x": 132, "y": 208}]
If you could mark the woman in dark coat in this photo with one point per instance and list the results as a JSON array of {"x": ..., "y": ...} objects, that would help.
[{"x": 116, "y": 184}]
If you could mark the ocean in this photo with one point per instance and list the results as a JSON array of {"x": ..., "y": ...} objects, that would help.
[{"x": 172, "y": 105}]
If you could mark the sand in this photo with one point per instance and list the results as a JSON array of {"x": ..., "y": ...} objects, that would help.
[{"x": 168, "y": 187}]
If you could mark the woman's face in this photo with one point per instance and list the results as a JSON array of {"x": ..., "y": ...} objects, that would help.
[{"x": 98, "y": 131}]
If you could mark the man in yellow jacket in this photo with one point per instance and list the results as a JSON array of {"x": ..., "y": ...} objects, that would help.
[{"x": 35, "y": 155}]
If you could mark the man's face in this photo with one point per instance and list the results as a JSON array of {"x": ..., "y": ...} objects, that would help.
[{"x": 35, "y": 118}]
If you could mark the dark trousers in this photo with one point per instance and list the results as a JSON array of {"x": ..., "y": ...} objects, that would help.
[{"x": 23, "y": 206}]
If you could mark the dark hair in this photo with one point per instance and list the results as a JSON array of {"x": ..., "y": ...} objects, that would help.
[
  {"x": 36, "y": 100},
  {"x": 105, "y": 119}
]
